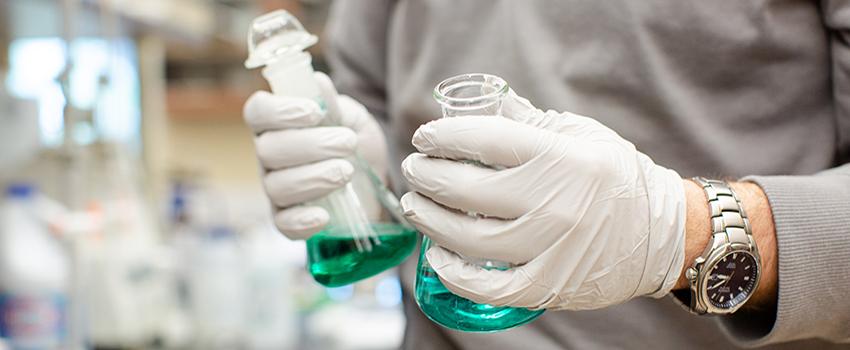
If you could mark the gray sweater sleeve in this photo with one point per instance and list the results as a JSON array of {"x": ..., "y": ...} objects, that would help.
[
  {"x": 356, "y": 51},
  {"x": 812, "y": 220}
]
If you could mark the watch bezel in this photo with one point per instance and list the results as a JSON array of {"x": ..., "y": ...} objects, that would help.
[{"x": 704, "y": 273}]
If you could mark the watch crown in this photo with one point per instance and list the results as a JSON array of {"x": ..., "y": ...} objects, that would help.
[{"x": 691, "y": 274}]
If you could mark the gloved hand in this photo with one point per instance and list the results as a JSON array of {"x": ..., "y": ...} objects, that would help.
[
  {"x": 303, "y": 160},
  {"x": 588, "y": 220}
]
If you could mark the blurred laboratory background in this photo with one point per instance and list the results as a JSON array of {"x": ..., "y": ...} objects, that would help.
[{"x": 132, "y": 215}]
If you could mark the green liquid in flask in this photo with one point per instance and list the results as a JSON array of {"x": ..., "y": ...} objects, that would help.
[
  {"x": 336, "y": 259},
  {"x": 452, "y": 311}
]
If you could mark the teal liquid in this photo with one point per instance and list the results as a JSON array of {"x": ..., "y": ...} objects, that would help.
[
  {"x": 452, "y": 311},
  {"x": 334, "y": 259}
]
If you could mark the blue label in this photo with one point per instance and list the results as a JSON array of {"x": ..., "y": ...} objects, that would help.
[{"x": 33, "y": 320}]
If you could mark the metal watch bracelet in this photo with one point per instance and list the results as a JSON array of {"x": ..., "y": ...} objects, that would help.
[
  {"x": 730, "y": 230},
  {"x": 727, "y": 213}
]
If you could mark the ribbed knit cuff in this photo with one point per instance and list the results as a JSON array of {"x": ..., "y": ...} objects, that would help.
[{"x": 812, "y": 221}]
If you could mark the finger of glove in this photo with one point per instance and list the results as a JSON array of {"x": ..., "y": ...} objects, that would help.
[
  {"x": 264, "y": 111},
  {"x": 490, "y": 140},
  {"x": 355, "y": 116},
  {"x": 521, "y": 110},
  {"x": 298, "y": 184},
  {"x": 473, "y": 236},
  {"x": 330, "y": 96},
  {"x": 511, "y": 287},
  {"x": 466, "y": 187},
  {"x": 290, "y": 147},
  {"x": 343, "y": 110},
  {"x": 301, "y": 222}
]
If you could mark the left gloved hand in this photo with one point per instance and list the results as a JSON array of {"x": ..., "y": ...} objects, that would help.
[{"x": 588, "y": 220}]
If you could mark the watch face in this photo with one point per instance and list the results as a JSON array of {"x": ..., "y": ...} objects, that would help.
[{"x": 732, "y": 280}]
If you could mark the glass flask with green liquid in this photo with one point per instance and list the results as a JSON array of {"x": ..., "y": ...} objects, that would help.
[
  {"x": 367, "y": 232},
  {"x": 467, "y": 94}
]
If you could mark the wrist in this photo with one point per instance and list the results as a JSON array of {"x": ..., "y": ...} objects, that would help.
[
  {"x": 698, "y": 232},
  {"x": 697, "y": 227}
]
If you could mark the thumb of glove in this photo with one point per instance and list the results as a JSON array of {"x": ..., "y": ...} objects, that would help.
[{"x": 520, "y": 109}]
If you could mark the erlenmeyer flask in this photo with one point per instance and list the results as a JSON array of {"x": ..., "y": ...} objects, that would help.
[
  {"x": 367, "y": 233},
  {"x": 467, "y": 94}
]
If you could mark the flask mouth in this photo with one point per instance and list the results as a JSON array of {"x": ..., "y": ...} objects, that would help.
[
  {"x": 274, "y": 35},
  {"x": 470, "y": 91}
]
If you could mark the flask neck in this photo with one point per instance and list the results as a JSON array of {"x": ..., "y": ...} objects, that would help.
[{"x": 292, "y": 75}]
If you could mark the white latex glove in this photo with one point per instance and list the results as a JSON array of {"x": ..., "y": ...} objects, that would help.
[
  {"x": 590, "y": 221},
  {"x": 304, "y": 161}
]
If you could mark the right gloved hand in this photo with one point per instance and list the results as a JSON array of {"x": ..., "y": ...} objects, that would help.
[
  {"x": 304, "y": 161},
  {"x": 587, "y": 219}
]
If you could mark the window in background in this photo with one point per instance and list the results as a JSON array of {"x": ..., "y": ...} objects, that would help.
[{"x": 104, "y": 80}]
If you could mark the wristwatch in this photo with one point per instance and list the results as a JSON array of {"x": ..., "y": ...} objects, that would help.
[{"x": 726, "y": 275}]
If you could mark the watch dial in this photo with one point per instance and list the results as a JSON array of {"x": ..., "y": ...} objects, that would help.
[{"x": 732, "y": 280}]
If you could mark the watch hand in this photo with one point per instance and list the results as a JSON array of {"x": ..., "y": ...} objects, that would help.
[
  {"x": 718, "y": 284},
  {"x": 730, "y": 277}
]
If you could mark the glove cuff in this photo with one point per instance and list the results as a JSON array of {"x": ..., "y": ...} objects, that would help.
[{"x": 666, "y": 240}]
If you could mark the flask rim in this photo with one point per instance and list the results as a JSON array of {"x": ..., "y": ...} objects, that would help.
[{"x": 442, "y": 91}]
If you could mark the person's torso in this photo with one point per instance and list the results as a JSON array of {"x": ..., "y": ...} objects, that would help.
[{"x": 714, "y": 88}]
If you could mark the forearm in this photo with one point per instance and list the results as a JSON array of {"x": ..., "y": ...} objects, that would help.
[{"x": 698, "y": 232}]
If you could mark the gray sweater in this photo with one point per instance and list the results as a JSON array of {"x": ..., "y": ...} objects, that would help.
[{"x": 723, "y": 88}]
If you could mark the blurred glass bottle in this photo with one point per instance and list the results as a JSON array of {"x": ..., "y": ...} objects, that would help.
[
  {"x": 467, "y": 94},
  {"x": 218, "y": 290},
  {"x": 34, "y": 276},
  {"x": 271, "y": 314},
  {"x": 367, "y": 233}
]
